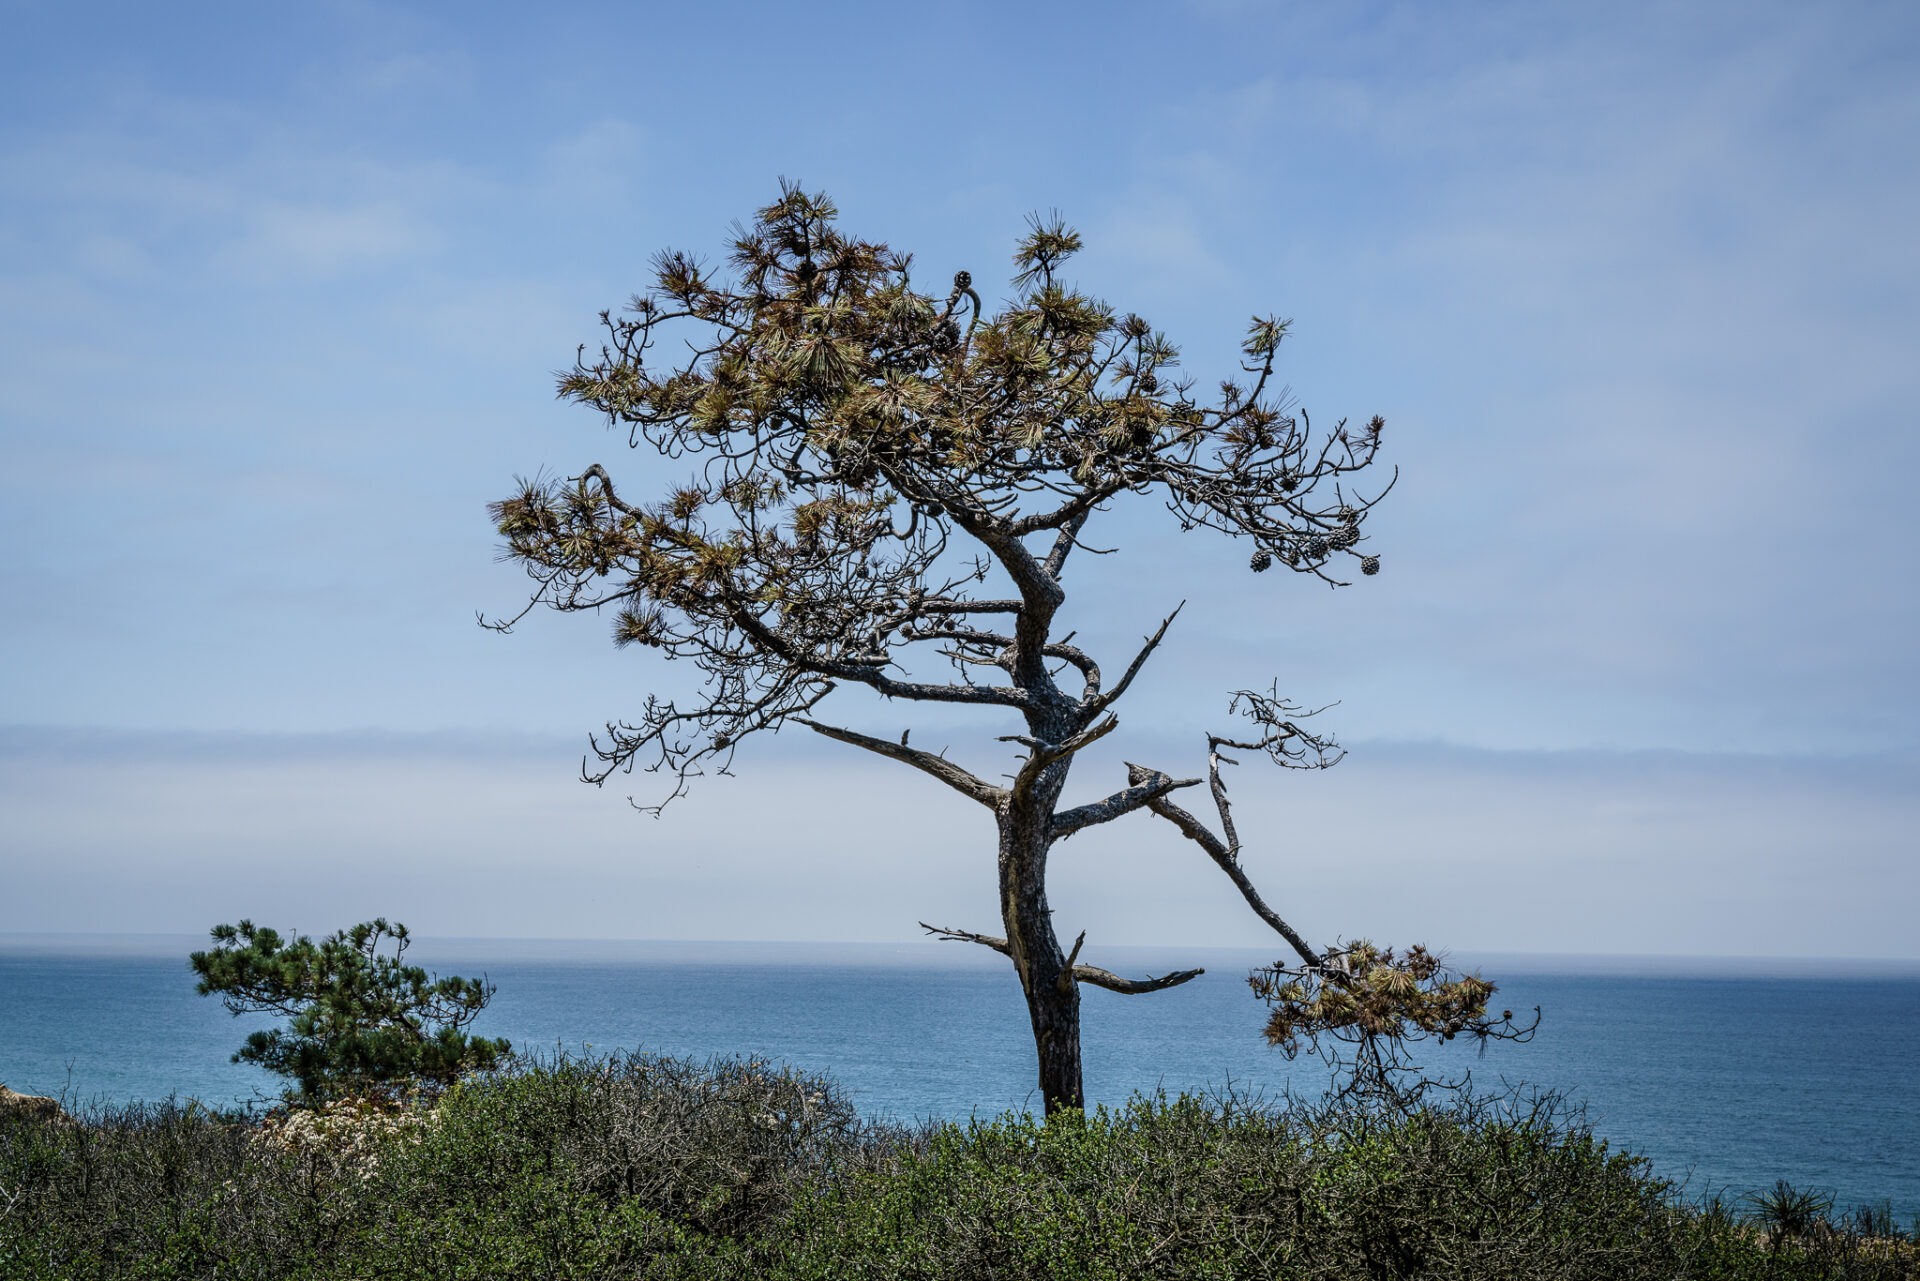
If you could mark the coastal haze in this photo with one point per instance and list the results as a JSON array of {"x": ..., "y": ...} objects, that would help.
[{"x": 1633, "y": 287}]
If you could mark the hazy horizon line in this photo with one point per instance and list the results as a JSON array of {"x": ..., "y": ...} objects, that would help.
[{"x": 132, "y": 943}]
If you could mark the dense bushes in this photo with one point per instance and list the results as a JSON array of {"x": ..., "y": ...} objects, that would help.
[
  {"x": 1185, "y": 1189},
  {"x": 656, "y": 1167}
]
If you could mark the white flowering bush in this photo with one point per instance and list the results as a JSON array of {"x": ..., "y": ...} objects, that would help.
[{"x": 347, "y": 1134}]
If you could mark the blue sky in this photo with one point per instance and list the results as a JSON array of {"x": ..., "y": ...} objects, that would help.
[{"x": 281, "y": 292}]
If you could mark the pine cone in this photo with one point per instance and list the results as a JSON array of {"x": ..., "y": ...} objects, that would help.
[
  {"x": 1261, "y": 560},
  {"x": 1316, "y": 548},
  {"x": 1369, "y": 565},
  {"x": 962, "y": 279},
  {"x": 1344, "y": 537},
  {"x": 1289, "y": 482},
  {"x": 1148, "y": 384}
]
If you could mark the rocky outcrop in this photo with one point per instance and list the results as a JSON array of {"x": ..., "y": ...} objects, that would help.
[{"x": 12, "y": 1101}]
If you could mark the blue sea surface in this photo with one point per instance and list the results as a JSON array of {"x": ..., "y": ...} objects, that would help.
[{"x": 1728, "y": 1075}]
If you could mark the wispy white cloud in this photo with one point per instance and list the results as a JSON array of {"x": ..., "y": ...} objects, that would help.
[
  {"x": 286, "y": 239},
  {"x": 262, "y": 206},
  {"x": 606, "y": 160}
]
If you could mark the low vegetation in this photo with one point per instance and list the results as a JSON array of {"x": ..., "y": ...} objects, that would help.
[{"x": 644, "y": 1166}]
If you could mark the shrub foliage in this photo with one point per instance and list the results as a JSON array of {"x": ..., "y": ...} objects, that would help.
[{"x": 652, "y": 1167}]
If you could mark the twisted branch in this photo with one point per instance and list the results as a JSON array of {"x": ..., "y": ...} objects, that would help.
[
  {"x": 960, "y": 780},
  {"x": 1081, "y": 973}
]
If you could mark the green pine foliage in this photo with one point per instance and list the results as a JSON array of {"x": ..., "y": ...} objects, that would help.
[
  {"x": 643, "y": 1166},
  {"x": 359, "y": 1019}
]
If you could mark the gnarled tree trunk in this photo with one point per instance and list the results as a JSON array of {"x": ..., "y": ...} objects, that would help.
[{"x": 1046, "y": 976}]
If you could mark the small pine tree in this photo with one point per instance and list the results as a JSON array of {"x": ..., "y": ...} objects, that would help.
[{"x": 359, "y": 1020}]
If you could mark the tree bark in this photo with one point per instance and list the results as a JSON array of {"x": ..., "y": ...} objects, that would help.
[
  {"x": 1046, "y": 975},
  {"x": 1053, "y": 997}
]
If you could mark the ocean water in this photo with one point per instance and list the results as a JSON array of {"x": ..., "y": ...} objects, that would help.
[{"x": 1728, "y": 1075}]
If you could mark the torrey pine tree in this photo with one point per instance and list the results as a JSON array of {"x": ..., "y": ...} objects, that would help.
[{"x": 883, "y": 477}]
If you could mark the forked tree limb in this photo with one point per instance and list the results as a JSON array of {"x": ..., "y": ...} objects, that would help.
[
  {"x": 1043, "y": 754},
  {"x": 1063, "y": 542},
  {"x": 1082, "y": 973},
  {"x": 1222, "y": 854}
]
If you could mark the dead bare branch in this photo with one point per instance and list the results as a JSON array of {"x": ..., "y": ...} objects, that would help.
[
  {"x": 939, "y": 767},
  {"x": 1081, "y": 973},
  {"x": 1100, "y": 703},
  {"x": 1224, "y": 857},
  {"x": 1118, "y": 805}
]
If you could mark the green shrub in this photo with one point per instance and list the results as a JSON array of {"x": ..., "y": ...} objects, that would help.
[
  {"x": 640, "y": 1166},
  {"x": 1187, "y": 1188}
]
